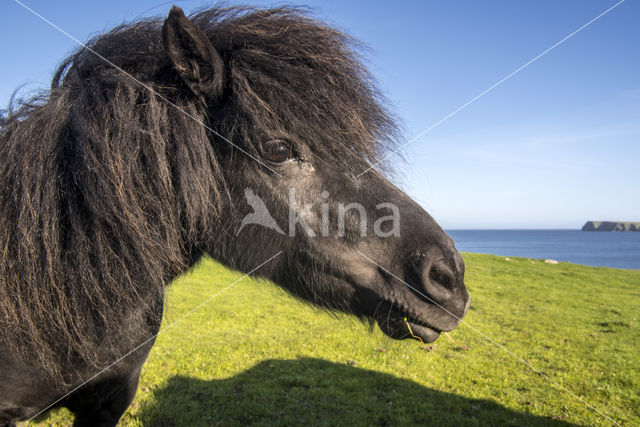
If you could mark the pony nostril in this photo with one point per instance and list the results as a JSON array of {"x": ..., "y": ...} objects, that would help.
[
  {"x": 438, "y": 282},
  {"x": 435, "y": 275}
]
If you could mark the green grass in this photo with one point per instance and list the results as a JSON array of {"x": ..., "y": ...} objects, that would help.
[{"x": 254, "y": 355}]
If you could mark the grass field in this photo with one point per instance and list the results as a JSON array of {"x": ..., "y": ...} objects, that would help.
[{"x": 254, "y": 355}]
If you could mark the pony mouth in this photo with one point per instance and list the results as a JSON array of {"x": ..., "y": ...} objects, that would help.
[
  {"x": 425, "y": 334},
  {"x": 396, "y": 324}
]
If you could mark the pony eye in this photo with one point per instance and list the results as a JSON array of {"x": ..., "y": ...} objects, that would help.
[{"x": 278, "y": 151}]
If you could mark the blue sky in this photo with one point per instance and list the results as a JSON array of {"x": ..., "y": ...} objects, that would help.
[{"x": 552, "y": 147}]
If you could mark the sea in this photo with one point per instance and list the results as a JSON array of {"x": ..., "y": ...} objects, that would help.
[{"x": 595, "y": 248}]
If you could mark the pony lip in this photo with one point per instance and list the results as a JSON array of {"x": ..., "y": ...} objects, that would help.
[
  {"x": 401, "y": 313},
  {"x": 392, "y": 322},
  {"x": 425, "y": 333}
]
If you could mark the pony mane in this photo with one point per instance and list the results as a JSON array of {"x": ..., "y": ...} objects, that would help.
[{"x": 107, "y": 190}]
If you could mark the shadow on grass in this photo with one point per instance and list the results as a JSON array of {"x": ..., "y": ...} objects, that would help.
[{"x": 317, "y": 392}]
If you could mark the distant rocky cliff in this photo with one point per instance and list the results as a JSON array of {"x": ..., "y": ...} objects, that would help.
[{"x": 611, "y": 226}]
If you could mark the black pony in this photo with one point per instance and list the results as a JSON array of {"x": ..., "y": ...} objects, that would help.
[{"x": 142, "y": 158}]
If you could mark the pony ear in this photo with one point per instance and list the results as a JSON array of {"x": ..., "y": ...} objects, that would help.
[{"x": 194, "y": 57}]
